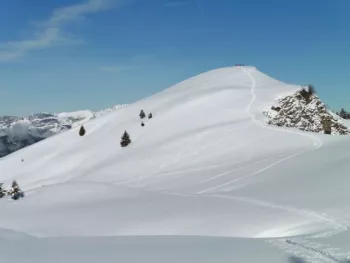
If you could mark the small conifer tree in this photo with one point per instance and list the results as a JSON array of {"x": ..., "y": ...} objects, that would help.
[
  {"x": 142, "y": 114},
  {"x": 142, "y": 124},
  {"x": 150, "y": 116},
  {"x": 16, "y": 191},
  {"x": 311, "y": 89},
  {"x": 82, "y": 131},
  {"x": 3, "y": 191},
  {"x": 343, "y": 113},
  {"x": 125, "y": 140}
]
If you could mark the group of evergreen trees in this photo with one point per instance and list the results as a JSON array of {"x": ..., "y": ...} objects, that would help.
[
  {"x": 126, "y": 137},
  {"x": 344, "y": 114},
  {"x": 15, "y": 191},
  {"x": 126, "y": 140},
  {"x": 143, "y": 115}
]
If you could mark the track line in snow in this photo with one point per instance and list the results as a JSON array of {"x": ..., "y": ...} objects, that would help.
[
  {"x": 206, "y": 168},
  {"x": 197, "y": 169},
  {"x": 317, "y": 251},
  {"x": 159, "y": 174},
  {"x": 182, "y": 172},
  {"x": 252, "y": 92},
  {"x": 228, "y": 172},
  {"x": 216, "y": 143},
  {"x": 334, "y": 223},
  {"x": 317, "y": 143},
  {"x": 253, "y": 174},
  {"x": 182, "y": 154}
]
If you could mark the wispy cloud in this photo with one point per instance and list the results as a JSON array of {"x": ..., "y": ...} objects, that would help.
[
  {"x": 52, "y": 32},
  {"x": 176, "y": 3}
]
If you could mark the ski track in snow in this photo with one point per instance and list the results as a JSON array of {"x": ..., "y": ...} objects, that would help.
[
  {"x": 202, "y": 168},
  {"x": 299, "y": 246},
  {"x": 228, "y": 172},
  {"x": 334, "y": 223},
  {"x": 180, "y": 156},
  {"x": 317, "y": 142},
  {"x": 318, "y": 252},
  {"x": 208, "y": 190}
]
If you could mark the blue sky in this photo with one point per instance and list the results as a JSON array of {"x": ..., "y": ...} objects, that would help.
[{"x": 91, "y": 54}]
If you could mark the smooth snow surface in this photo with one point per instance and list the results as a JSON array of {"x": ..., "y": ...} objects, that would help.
[{"x": 206, "y": 180}]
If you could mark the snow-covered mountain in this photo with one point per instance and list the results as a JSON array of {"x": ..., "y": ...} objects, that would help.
[
  {"x": 17, "y": 133},
  {"x": 205, "y": 180}
]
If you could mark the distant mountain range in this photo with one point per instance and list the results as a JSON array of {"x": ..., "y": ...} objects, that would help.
[{"x": 19, "y": 132}]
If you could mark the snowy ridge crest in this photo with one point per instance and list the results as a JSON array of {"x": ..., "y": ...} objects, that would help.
[{"x": 306, "y": 112}]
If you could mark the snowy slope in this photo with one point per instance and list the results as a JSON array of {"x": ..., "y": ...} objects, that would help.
[
  {"x": 17, "y": 133},
  {"x": 206, "y": 165}
]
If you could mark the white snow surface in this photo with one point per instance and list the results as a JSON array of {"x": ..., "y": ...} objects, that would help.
[
  {"x": 83, "y": 115},
  {"x": 206, "y": 180}
]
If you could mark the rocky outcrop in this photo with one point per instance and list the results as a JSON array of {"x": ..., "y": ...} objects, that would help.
[{"x": 305, "y": 111}]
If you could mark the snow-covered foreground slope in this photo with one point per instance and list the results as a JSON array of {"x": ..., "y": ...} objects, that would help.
[{"x": 206, "y": 165}]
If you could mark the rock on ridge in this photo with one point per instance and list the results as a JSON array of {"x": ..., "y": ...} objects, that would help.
[{"x": 304, "y": 110}]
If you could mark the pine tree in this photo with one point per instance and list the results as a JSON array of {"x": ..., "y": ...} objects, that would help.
[
  {"x": 343, "y": 113},
  {"x": 125, "y": 140},
  {"x": 142, "y": 114},
  {"x": 311, "y": 89},
  {"x": 82, "y": 131},
  {"x": 16, "y": 191},
  {"x": 142, "y": 124},
  {"x": 150, "y": 116},
  {"x": 3, "y": 191}
]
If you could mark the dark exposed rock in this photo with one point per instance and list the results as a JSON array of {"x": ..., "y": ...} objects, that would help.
[
  {"x": 275, "y": 108},
  {"x": 305, "y": 112}
]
